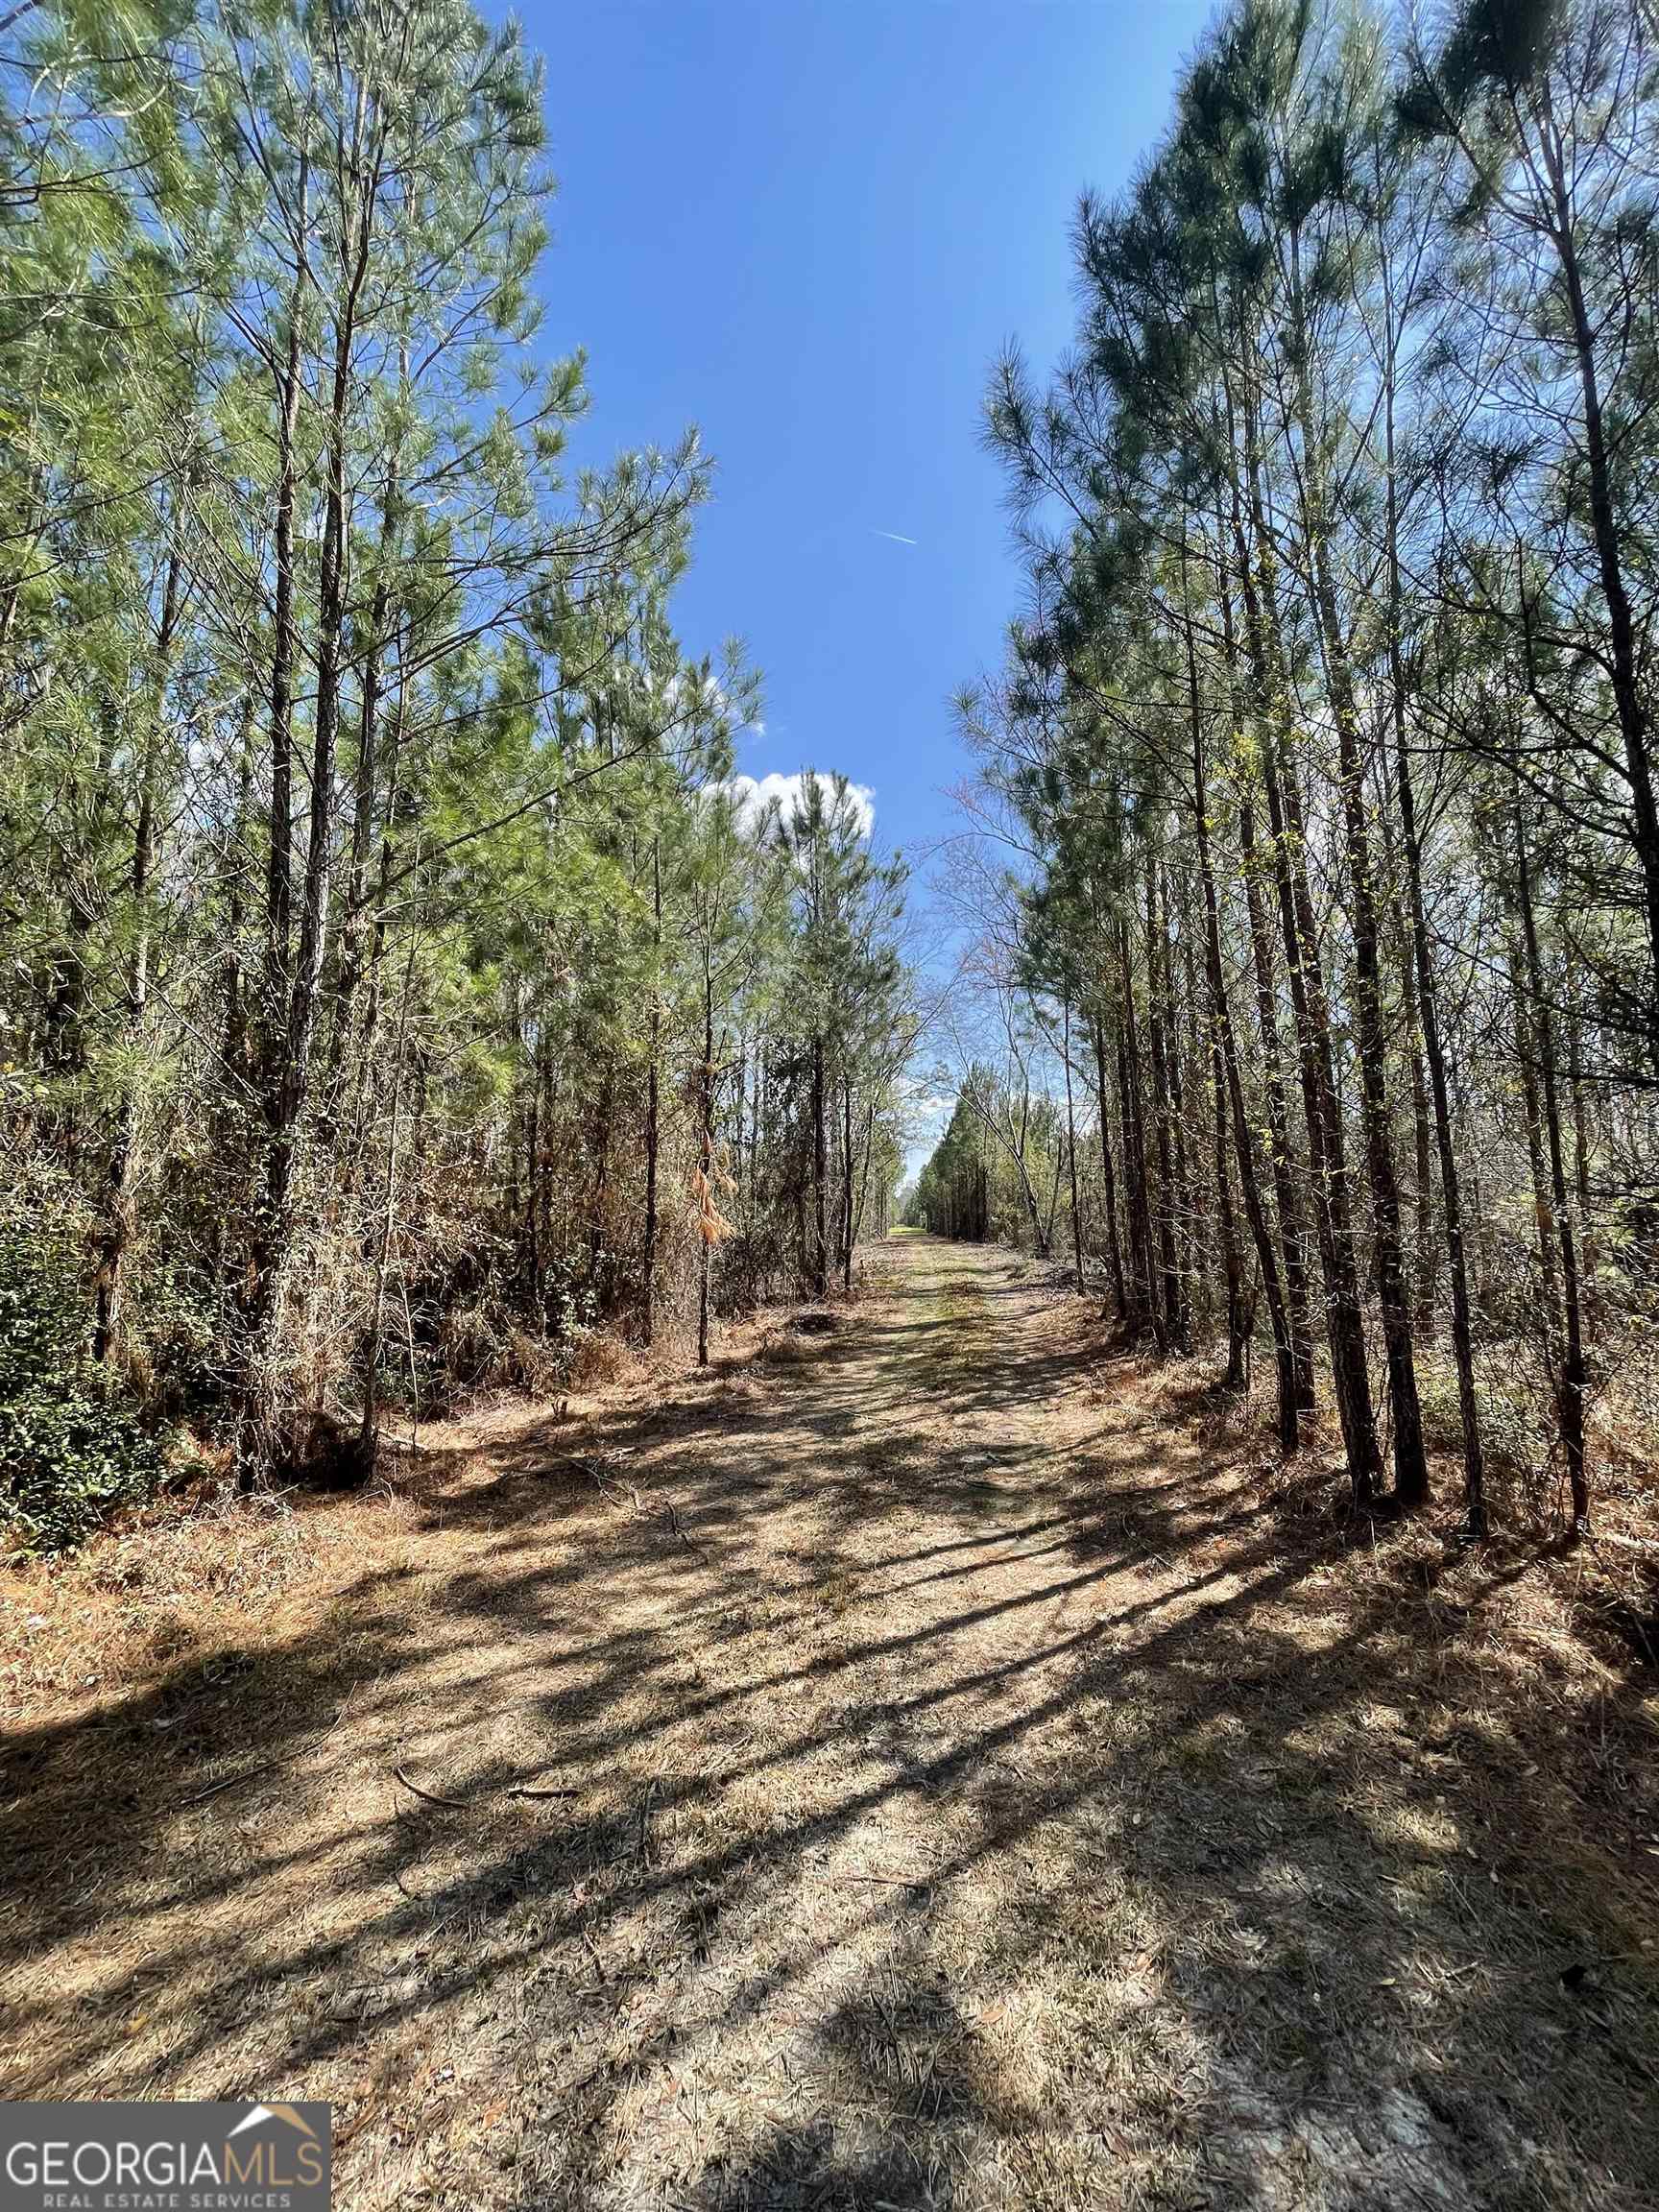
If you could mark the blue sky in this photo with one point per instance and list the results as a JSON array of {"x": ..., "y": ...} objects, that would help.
[{"x": 808, "y": 225}]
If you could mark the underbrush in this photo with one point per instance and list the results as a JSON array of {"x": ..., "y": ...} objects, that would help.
[
  {"x": 72, "y": 1447},
  {"x": 1605, "y": 1589}
]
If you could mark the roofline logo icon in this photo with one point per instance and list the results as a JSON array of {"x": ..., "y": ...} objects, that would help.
[{"x": 258, "y": 2113}]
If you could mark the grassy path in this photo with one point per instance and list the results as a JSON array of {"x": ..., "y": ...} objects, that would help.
[{"x": 953, "y": 1782}]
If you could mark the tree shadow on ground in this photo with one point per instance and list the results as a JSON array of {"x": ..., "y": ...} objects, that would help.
[{"x": 980, "y": 1791}]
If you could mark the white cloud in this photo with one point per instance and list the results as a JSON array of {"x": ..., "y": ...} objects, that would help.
[{"x": 756, "y": 795}]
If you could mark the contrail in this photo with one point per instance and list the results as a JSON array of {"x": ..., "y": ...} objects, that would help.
[{"x": 898, "y": 537}]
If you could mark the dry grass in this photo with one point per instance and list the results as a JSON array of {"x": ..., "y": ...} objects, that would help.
[
  {"x": 603, "y": 1361},
  {"x": 990, "y": 1783}
]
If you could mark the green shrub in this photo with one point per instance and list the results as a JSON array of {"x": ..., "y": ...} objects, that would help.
[
  {"x": 70, "y": 1450},
  {"x": 1514, "y": 1444}
]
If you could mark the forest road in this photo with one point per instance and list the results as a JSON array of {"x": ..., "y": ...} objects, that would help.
[{"x": 904, "y": 1769}]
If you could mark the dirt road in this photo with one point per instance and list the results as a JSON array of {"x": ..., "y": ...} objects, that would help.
[{"x": 942, "y": 1779}]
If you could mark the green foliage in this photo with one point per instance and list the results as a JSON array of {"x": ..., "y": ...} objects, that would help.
[
  {"x": 70, "y": 1451},
  {"x": 1325, "y": 740},
  {"x": 380, "y": 897}
]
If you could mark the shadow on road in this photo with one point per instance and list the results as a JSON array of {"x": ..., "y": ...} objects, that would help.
[{"x": 980, "y": 1791}]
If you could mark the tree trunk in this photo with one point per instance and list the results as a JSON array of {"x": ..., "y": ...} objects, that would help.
[
  {"x": 1286, "y": 1199},
  {"x": 119, "y": 1206},
  {"x": 285, "y": 651},
  {"x": 653, "y": 1099},
  {"x": 372, "y": 682},
  {"x": 1427, "y": 1006},
  {"x": 1172, "y": 1333},
  {"x": 706, "y": 1158},
  {"x": 848, "y": 1228},
  {"x": 289, "y": 1087},
  {"x": 865, "y": 1180},
  {"x": 1225, "y": 1075},
  {"x": 1526, "y": 1055},
  {"x": 1071, "y": 1148},
  {"x": 1146, "y": 1302},
  {"x": 368, "y": 1432},
  {"x": 1322, "y": 1110},
  {"x": 1410, "y": 1464},
  {"x": 1571, "y": 1387},
  {"x": 1183, "y": 1217},
  {"x": 819, "y": 1176},
  {"x": 1622, "y": 634},
  {"x": 1108, "y": 1176}
]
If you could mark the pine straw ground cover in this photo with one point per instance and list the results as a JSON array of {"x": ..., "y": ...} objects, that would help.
[{"x": 933, "y": 1761}]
